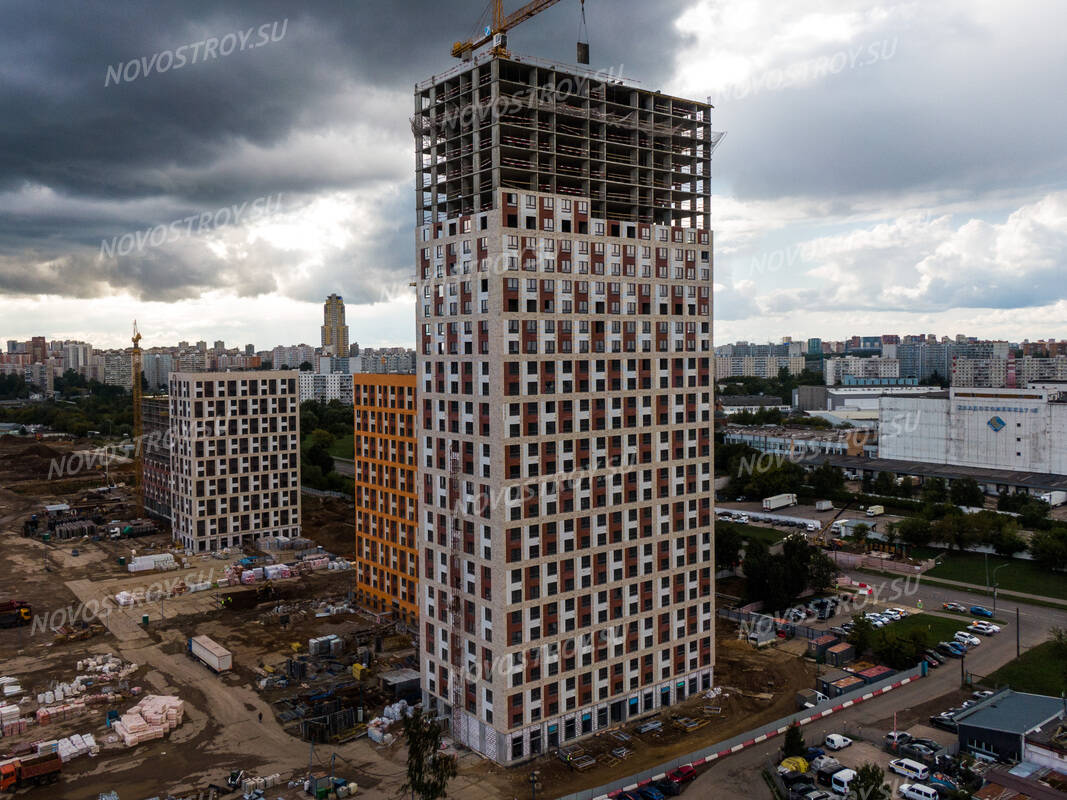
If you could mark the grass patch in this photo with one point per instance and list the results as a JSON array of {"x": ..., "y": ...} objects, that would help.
[
  {"x": 344, "y": 447},
  {"x": 1039, "y": 670},
  {"x": 768, "y": 535},
  {"x": 1017, "y": 576},
  {"x": 938, "y": 629}
]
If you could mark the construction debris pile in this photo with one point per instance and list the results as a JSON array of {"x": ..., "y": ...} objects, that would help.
[{"x": 152, "y": 718}]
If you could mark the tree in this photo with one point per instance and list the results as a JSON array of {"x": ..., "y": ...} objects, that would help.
[
  {"x": 727, "y": 546},
  {"x": 1033, "y": 513},
  {"x": 822, "y": 572},
  {"x": 955, "y": 530},
  {"x": 966, "y": 492},
  {"x": 1049, "y": 548},
  {"x": 428, "y": 769},
  {"x": 826, "y": 479},
  {"x": 862, "y": 635},
  {"x": 884, "y": 484},
  {"x": 860, "y": 532},
  {"x": 869, "y": 784},
  {"x": 306, "y": 366},
  {"x": 933, "y": 491},
  {"x": 793, "y": 744},
  {"x": 914, "y": 531},
  {"x": 907, "y": 486}
]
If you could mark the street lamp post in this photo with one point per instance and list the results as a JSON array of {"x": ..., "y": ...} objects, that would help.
[{"x": 995, "y": 584}]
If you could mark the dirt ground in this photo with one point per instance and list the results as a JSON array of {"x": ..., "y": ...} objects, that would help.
[
  {"x": 331, "y": 523},
  {"x": 742, "y": 672}
]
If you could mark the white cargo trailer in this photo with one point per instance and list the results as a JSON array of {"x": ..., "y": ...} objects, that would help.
[
  {"x": 210, "y": 652},
  {"x": 779, "y": 501}
]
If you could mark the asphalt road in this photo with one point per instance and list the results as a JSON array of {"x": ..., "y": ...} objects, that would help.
[
  {"x": 738, "y": 775},
  {"x": 344, "y": 466}
]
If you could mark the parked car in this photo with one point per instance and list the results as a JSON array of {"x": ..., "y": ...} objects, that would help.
[
  {"x": 650, "y": 793},
  {"x": 934, "y": 746},
  {"x": 917, "y": 751},
  {"x": 669, "y": 788},
  {"x": 941, "y": 781},
  {"x": 960, "y": 607},
  {"x": 818, "y": 794},
  {"x": 897, "y": 738},
  {"x": 835, "y": 741},
  {"x": 982, "y": 694},
  {"x": 682, "y": 774},
  {"x": 800, "y": 791},
  {"x": 951, "y": 649},
  {"x": 967, "y": 639},
  {"x": 893, "y": 614},
  {"x": 814, "y": 753},
  {"x": 981, "y": 611},
  {"x": 945, "y": 722},
  {"x": 933, "y": 662},
  {"x": 935, "y": 655},
  {"x": 917, "y": 791},
  {"x": 983, "y": 627}
]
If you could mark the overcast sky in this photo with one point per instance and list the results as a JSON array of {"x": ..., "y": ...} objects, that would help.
[{"x": 890, "y": 167}]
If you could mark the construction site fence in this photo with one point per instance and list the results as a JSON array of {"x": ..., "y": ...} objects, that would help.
[
  {"x": 855, "y": 561},
  {"x": 741, "y": 741},
  {"x": 756, "y": 619}
]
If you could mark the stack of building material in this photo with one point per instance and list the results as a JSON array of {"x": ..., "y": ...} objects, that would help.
[
  {"x": 152, "y": 718},
  {"x": 317, "y": 562},
  {"x": 331, "y": 644},
  {"x": 248, "y": 576},
  {"x": 16, "y": 726},
  {"x": 164, "y": 561},
  {"x": 340, "y": 564},
  {"x": 277, "y": 571},
  {"x": 50, "y": 714},
  {"x": 199, "y": 587},
  {"x": 50, "y": 746}
]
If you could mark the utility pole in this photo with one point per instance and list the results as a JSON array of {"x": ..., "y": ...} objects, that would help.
[{"x": 1016, "y": 631}]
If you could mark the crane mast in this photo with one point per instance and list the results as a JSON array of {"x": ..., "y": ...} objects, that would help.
[{"x": 138, "y": 423}]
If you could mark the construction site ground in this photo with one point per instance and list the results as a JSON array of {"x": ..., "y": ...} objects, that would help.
[{"x": 222, "y": 728}]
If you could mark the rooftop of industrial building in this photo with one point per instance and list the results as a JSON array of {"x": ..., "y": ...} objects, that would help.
[
  {"x": 750, "y": 400},
  {"x": 1009, "y": 711},
  {"x": 1032, "y": 480},
  {"x": 801, "y": 432}
]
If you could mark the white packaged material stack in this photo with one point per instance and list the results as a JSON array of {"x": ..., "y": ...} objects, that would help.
[
  {"x": 8, "y": 714},
  {"x": 163, "y": 561},
  {"x": 125, "y": 599}
]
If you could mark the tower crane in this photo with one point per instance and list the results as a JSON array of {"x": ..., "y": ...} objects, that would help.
[
  {"x": 138, "y": 424},
  {"x": 497, "y": 31}
]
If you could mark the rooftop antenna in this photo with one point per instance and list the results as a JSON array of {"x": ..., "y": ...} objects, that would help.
[{"x": 583, "y": 37}]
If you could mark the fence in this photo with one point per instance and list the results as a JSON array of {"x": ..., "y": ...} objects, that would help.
[
  {"x": 764, "y": 732},
  {"x": 761, "y": 621},
  {"x": 325, "y": 493},
  {"x": 854, "y": 561}
]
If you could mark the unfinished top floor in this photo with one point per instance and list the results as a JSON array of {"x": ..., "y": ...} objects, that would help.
[{"x": 526, "y": 124}]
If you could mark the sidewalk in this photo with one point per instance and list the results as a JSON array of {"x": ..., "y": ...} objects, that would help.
[{"x": 976, "y": 587}]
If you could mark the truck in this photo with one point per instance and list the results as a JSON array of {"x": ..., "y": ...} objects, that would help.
[
  {"x": 29, "y": 770},
  {"x": 824, "y": 505},
  {"x": 1054, "y": 498},
  {"x": 779, "y": 501},
  {"x": 210, "y": 653},
  {"x": 875, "y": 511},
  {"x": 14, "y": 613}
]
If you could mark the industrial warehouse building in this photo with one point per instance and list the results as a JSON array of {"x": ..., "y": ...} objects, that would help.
[{"x": 1021, "y": 430}]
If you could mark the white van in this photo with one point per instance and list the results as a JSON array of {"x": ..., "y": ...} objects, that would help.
[
  {"x": 917, "y": 791},
  {"x": 840, "y": 781},
  {"x": 909, "y": 769}
]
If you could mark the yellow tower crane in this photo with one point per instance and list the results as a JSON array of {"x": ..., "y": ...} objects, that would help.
[
  {"x": 497, "y": 31},
  {"x": 138, "y": 423}
]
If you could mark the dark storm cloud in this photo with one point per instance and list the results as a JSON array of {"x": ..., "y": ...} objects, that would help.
[{"x": 166, "y": 145}]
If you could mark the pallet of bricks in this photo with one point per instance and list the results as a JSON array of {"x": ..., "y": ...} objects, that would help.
[
  {"x": 152, "y": 718},
  {"x": 11, "y": 721}
]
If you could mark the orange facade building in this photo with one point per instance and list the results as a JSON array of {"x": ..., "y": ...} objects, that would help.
[{"x": 387, "y": 564}]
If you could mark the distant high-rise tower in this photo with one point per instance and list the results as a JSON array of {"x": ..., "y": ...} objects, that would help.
[{"x": 334, "y": 330}]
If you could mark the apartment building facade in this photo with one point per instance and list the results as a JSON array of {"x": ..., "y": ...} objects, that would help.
[
  {"x": 757, "y": 366},
  {"x": 564, "y": 274},
  {"x": 836, "y": 369},
  {"x": 386, "y": 485},
  {"x": 155, "y": 458},
  {"x": 235, "y": 457}
]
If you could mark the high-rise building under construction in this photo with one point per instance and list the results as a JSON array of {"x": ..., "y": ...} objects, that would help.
[{"x": 564, "y": 280}]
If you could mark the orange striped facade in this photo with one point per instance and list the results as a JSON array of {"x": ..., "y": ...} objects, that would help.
[{"x": 385, "y": 450}]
